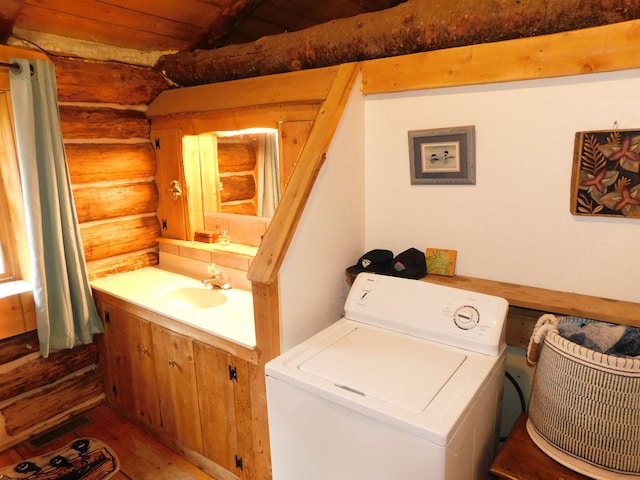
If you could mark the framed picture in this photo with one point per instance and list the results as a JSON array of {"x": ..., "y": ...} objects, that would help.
[
  {"x": 605, "y": 179},
  {"x": 443, "y": 155}
]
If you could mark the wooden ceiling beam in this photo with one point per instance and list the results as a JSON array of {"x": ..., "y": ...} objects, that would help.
[
  {"x": 9, "y": 11},
  {"x": 414, "y": 26},
  {"x": 226, "y": 22}
]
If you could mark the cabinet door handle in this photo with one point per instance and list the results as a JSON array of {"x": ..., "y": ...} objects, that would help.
[
  {"x": 172, "y": 363},
  {"x": 175, "y": 190}
]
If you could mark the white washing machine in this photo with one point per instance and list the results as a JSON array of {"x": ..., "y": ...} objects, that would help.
[{"x": 408, "y": 385}]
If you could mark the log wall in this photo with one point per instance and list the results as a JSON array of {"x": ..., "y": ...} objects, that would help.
[
  {"x": 111, "y": 160},
  {"x": 37, "y": 393},
  {"x": 237, "y": 164}
]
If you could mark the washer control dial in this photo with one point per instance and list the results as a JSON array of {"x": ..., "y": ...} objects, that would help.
[{"x": 466, "y": 317}]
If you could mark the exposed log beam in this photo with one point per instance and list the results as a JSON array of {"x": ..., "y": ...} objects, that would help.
[
  {"x": 229, "y": 18},
  {"x": 9, "y": 11},
  {"x": 414, "y": 26}
]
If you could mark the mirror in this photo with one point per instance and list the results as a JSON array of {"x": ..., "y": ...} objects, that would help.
[{"x": 239, "y": 170}]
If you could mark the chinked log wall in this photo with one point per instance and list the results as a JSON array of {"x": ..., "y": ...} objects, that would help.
[
  {"x": 237, "y": 164},
  {"x": 112, "y": 166},
  {"x": 111, "y": 160}
]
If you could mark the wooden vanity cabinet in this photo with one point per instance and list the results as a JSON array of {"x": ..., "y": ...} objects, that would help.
[{"x": 193, "y": 395}]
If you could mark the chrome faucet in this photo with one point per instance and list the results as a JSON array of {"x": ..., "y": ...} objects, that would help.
[{"x": 217, "y": 280}]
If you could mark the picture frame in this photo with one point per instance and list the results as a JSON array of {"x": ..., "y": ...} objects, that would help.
[
  {"x": 605, "y": 178},
  {"x": 443, "y": 156}
]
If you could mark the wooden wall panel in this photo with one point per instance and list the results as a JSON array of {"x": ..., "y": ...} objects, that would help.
[
  {"x": 13, "y": 321},
  {"x": 16, "y": 347},
  {"x": 237, "y": 187},
  {"x": 111, "y": 160},
  {"x": 94, "y": 122},
  {"x": 119, "y": 237},
  {"x": 27, "y": 412},
  {"x": 89, "y": 163},
  {"x": 244, "y": 208},
  {"x": 110, "y": 266},
  {"x": 106, "y": 82},
  {"x": 29, "y": 402},
  {"x": 106, "y": 202},
  {"x": 236, "y": 157},
  {"x": 36, "y": 374},
  {"x": 293, "y": 136}
]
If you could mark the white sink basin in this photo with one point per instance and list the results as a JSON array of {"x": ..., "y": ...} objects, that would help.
[
  {"x": 193, "y": 297},
  {"x": 224, "y": 313}
]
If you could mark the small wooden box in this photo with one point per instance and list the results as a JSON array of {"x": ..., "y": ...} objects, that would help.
[
  {"x": 441, "y": 262},
  {"x": 205, "y": 236}
]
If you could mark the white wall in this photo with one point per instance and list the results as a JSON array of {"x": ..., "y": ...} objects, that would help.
[
  {"x": 330, "y": 236},
  {"x": 514, "y": 225}
]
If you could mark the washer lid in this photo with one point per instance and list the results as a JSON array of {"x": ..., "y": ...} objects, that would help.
[{"x": 399, "y": 369}]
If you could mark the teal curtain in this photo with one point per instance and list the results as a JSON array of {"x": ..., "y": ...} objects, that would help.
[
  {"x": 268, "y": 175},
  {"x": 65, "y": 311}
]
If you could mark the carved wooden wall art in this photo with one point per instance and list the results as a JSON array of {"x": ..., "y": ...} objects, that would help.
[{"x": 606, "y": 173}]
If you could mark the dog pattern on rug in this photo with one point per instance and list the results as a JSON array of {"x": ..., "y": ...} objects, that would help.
[{"x": 82, "y": 459}]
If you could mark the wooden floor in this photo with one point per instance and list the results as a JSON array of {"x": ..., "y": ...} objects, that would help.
[{"x": 142, "y": 457}]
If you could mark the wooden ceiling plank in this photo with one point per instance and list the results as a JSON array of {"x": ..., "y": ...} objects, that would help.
[
  {"x": 216, "y": 3},
  {"x": 98, "y": 11},
  {"x": 228, "y": 20},
  {"x": 56, "y": 23},
  {"x": 297, "y": 9},
  {"x": 326, "y": 11},
  {"x": 273, "y": 17},
  {"x": 283, "y": 18},
  {"x": 190, "y": 12},
  {"x": 251, "y": 29}
]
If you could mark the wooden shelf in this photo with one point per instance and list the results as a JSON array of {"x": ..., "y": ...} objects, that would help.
[
  {"x": 521, "y": 459},
  {"x": 552, "y": 301}
]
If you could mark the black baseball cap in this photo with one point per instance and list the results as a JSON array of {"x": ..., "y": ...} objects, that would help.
[
  {"x": 412, "y": 263},
  {"x": 374, "y": 261}
]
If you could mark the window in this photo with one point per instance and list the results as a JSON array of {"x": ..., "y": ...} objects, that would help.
[
  {"x": 5, "y": 272},
  {"x": 12, "y": 229},
  {"x": 3, "y": 268},
  {"x": 7, "y": 257},
  {"x": 16, "y": 298}
]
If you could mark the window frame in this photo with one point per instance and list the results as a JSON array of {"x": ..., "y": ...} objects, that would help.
[{"x": 12, "y": 225}]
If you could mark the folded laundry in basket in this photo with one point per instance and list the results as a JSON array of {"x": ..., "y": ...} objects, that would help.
[
  {"x": 603, "y": 337},
  {"x": 628, "y": 345}
]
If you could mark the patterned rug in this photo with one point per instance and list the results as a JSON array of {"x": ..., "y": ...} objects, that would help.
[{"x": 82, "y": 459}]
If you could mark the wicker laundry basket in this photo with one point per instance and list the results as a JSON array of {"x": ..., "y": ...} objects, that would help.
[{"x": 584, "y": 410}]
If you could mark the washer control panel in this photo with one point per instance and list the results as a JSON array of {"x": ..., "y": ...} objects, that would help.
[
  {"x": 456, "y": 317},
  {"x": 466, "y": 317}
]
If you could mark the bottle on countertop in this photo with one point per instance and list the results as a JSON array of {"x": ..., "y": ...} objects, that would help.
[{"x": 224, "y": 238}]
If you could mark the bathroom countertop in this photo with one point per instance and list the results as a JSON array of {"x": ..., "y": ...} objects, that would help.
[{"x": 149, "y": 288}]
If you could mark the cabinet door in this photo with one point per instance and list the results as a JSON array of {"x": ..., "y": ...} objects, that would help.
[
  {"x": 145, "y": 391},
  {"x": 177, "y": 387},
  {"x": 223, "y": 391},
  {"x": 173, "y": 211},
  {"x": 119, "y": 329},
  {"x": 292, "y": 137},
  {"x": 129, "y": 370}
]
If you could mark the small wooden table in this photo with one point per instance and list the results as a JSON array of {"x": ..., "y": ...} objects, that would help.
[{"x": 521, "y": 459}]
